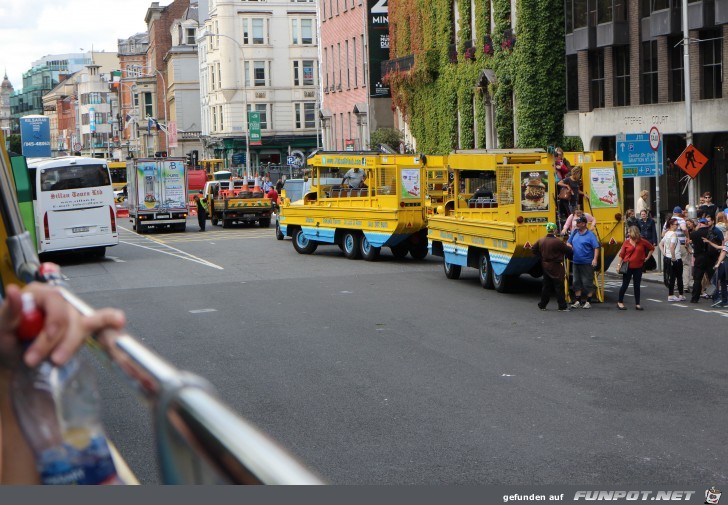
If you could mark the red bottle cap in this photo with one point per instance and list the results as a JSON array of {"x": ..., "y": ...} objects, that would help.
[{"x": 31, "y": 319}]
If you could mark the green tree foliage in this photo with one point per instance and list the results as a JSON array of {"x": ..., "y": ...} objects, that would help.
[
  {"x": 387, "y": 136},
  {"x": 14, "y": 143}
]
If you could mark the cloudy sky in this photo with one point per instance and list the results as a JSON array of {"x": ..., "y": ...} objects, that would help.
[{"x": 31, "y": 29}]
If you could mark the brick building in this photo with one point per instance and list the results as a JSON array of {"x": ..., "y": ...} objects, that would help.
[
  {"x": 625, "y": 74},
  {"x": 354, "y": 41}
]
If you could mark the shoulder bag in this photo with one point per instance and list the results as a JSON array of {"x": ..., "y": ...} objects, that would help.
[
  {"x": 565, "y": 193},
  {"x": 624, "y": 266}
]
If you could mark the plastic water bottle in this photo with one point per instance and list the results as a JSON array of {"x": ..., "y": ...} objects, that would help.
[{"x": 58, "y": 412}]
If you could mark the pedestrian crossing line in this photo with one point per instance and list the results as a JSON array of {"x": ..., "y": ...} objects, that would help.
[
  {"x": 653, "y": 300},
  {"x": 152, "y": 244},
  {"x": 680, "y": 305}
]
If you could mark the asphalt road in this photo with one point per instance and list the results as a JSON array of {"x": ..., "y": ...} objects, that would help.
[{"x": 389, "y": 373}]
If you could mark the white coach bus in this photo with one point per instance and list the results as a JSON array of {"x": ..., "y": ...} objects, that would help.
[{"x": 73, "y": 204}]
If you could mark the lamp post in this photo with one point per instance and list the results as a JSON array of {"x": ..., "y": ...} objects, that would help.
[
  {"x": 692, "y": 195},
  {"x": 245, "y": 100},
  {"x": 164, "y": 97}
]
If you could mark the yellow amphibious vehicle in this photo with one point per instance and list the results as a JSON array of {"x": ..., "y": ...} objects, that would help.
[{"x": 386, "y": 210}]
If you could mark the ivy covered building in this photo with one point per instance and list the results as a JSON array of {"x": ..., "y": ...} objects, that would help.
[{"x": 576, "y": 73}]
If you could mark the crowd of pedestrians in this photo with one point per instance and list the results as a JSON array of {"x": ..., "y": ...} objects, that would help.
[{"x": 694, "y": 250}]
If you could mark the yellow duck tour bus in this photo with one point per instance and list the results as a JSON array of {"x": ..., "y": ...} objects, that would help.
[
  {"x": 387, "y": 210},
  {"x": 502, "y": 200}
]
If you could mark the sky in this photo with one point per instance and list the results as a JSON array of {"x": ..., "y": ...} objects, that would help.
[{"x": 31, "y": 29}]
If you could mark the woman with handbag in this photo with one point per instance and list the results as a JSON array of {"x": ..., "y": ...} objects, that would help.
[
  {"x": 673, "y": 265},
  {"x": 631, "y": 260}
]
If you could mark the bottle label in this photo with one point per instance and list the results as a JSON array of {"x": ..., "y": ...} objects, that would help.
[
  {"x": 97, "y": 463},
  {"x": 55, "y": 468}
]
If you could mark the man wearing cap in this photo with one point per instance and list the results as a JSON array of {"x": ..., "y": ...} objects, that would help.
[
  {"x": 701, "y": 258},
  {"x": 586, "y": 254},
  {"x": 551, "y": 251}
]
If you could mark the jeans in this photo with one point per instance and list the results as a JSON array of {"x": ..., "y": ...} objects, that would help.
[
  {"x": 635, "y": 273},
  {"x": 675, "y": 271},
  {"x": 722, "y": 292}
]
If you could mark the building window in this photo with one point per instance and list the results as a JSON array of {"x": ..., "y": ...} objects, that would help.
[
  {"x": 356, "y": 63},
  {"x": 338, "y": 47},
  {"x": 604, "y": 11},
  {"x": 364, "y": 77},
  {"x": 305, "y": 115},
  {"x": 649, "y": 72},
  {"x": 346, "y": 55},
  {"x": 580, "y": 14},
  {"x": 258, "y": 74},
  {"x": 712, "y": 68},
  {"x": 306, "y": 34},
  {"x": 190, "y": 36},
  {"x": 303, "y": 73},
  {"x": 148, "y": 104},
  {"x": 621, "y": 76},
  {"x": 596, "y": 78},
  {"x": 255, "y": 31},
  {"x": 265, "y": 124},
  {"x": 214, "y": 118},
  {"x": 658, "y": 5},
  {"x": 677, "y": 83},
  {"x": 222, "y": 124}
]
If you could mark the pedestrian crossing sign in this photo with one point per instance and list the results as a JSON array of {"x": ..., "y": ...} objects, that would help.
[{"x": 691, "y": 161}]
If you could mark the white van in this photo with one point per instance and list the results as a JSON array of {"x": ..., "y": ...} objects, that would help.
[{"x": 73, "y": 204}]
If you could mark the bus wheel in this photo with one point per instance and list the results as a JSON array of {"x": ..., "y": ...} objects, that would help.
[
  {"x": 279, "y": 233},
  {"x": 418, "y": 251},
  {"x": 227, "y": 223},
  {"x": 369, "y": 252},
  {"x": 451, "y": 271},
  {"x": 400, "y": 250},
  {"x": 351, "y": 241},
  {"x": 140, "y": 228},
  {"x": 302, "y": 244},
  {"x": 485, "y": 270},
  {"x": 502, "y": 283},
  {"x": 213, "y": 220},
  {"x": 264, "y": 222}
]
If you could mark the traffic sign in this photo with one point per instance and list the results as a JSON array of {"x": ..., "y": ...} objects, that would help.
[
  {"x": 77, "y": 146},
  {"x": 654, "y": 138},
  {"x": 691, "y": 161},
  {"x": 291, "y": 160},
  {"x": 636, "y": 154}
]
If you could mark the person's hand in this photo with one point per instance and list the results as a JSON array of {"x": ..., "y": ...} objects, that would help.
[
  {"x": 594, "y": 263},
  {"x": 64, "y": 328}
]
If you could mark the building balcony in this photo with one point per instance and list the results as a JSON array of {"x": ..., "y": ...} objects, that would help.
[
  {"x": 721, "y": 12},
  {"x": 701, "y": 14},
  {"x": 662, "y": 22},
  {"x": 403, "y": 64},
  {"x": 582, "y": 39},
  {"x": 613, "y": 34}
]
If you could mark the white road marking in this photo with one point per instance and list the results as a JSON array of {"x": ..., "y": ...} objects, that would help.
[
  {"x": 202, "y": 311},
  {"x": 627, "y": 294},
  {"x": 115, "y": 259},
  {"x": 704, "y": 311},
  {"x": 679, "y": 305},
  {"x": 180, "y": 254},
  {"x": 653, "y": 300},
  {"x": 507, "y": 375}
]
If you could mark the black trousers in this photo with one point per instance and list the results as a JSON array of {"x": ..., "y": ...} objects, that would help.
[
  {"x": 551, "y": 285},
  {"x": 632, "y": 273},
  {"x": 201, "y": 218},
  {"x": 701, "y": 268},
  {"x": 674, "y": 270}
]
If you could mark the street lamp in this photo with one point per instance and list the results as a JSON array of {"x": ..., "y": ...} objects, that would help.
[
  {"x": 164, "y": 97},
  {"x": 245, "y": 100}
]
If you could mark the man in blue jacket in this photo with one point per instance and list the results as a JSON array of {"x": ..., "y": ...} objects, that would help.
[{"x": 586, "y": 254}]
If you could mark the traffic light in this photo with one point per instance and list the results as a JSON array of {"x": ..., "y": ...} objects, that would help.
[
  {"x": 190, "y": 160},
  {"x": 195, "y": 158}
]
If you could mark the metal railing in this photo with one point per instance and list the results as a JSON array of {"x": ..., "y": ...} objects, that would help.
[{"x": 199, "y": 439}]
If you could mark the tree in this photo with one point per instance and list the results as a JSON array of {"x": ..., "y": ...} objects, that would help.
[
  {"x": 387, "y": 136},
  {"x": 15, "y": 145}
]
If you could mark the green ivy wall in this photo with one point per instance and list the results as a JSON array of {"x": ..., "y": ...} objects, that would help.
[{"x": 435, "y": 91}]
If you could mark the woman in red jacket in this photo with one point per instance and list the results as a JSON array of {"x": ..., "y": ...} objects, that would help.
[{"x": 635, "y": 251}]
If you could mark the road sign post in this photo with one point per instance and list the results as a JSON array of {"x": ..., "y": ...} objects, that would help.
[{"x": 655, "y": 142}]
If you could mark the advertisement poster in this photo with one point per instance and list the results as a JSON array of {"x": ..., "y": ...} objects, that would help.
[
  {"x": 410, "y": 183},
  {"x": 604, "y": 192},
  {"x": 148, "y": 184},
  {"x": 378, "y": 30},
  {"x": 35, "y": 136},
  {"x": 173, "y": 173},
  {"x": 534, "y": 191}
]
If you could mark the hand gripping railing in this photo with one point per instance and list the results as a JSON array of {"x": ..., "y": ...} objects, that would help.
[{"x": 199, "y": 439}]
